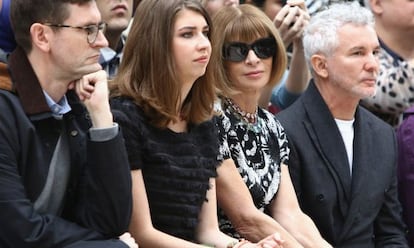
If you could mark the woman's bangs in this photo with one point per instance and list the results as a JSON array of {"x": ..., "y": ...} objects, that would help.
[{"x": 246, "y": 30}]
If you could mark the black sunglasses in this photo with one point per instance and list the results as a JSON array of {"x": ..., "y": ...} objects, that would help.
[{"x": 238, "y": 51}]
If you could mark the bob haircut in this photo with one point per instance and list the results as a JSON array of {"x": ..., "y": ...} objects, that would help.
[
  {"x": 244, "y": 23},
  {"x": 24, "y": 13},
  {"x": 147, "y": 71},
  {"x": 321, "y": 34}
]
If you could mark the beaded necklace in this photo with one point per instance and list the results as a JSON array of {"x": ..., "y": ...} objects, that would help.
[{"x": 250, "y": 118}]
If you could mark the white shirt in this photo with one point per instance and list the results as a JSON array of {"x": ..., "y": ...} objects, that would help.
[{"x": 347, "y": 131}]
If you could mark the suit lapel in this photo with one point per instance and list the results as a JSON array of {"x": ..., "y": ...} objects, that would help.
[
  {"x": 362, "y": 149},
  {"x": 361, "y": 165},
  {"x": 325, "y": 134}
]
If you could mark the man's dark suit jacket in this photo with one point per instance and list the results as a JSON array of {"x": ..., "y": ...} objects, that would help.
[{"x": 361, "y": 211}]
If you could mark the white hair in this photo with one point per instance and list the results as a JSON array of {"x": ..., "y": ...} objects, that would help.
[{"x": 321, "y": 35}]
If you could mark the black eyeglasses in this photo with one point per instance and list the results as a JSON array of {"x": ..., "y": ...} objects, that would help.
[
  {"x": 91, "y": 30},
  {"x": 238, "y": 51}
]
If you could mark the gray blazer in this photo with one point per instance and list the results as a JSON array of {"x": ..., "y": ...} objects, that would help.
[{"x": 361, "y": 211}]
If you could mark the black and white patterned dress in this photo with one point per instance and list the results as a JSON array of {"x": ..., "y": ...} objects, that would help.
[{"x": 257, "y": 150}]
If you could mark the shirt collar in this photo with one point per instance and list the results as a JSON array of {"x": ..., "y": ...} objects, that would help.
[
  {"x": 107, "y": 53},
  {"x": 58, "y": 109}
]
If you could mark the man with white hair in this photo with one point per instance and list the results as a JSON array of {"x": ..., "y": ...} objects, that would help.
[{"x": 343, "y": 159}]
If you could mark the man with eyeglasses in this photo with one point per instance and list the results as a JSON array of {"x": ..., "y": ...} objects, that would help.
[{"x": 64, "y": 173}]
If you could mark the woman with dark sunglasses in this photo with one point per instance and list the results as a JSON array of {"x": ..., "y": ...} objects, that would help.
[
  {"x": 254, "y": 189},
  {"x": 290, "y": 18}
]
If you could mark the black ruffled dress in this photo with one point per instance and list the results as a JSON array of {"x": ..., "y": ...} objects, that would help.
[{"x": 176, "y": 167}]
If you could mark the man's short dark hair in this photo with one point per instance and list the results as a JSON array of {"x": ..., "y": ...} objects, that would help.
[{"x": 24, "y": 13}]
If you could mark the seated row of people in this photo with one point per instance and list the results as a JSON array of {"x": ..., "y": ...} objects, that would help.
[{"x": 75, "y": 154}]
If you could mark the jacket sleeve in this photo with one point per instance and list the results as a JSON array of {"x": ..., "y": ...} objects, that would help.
[
  {"x": 21, "y": 225},
  {"x": 294, "y": 169},
  {"x": 105, "y": 201}
]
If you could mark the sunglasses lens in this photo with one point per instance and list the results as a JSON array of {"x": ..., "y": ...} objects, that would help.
[
  {"x": 265, "y": 48},
  {"x": 235, "y": 52}
]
